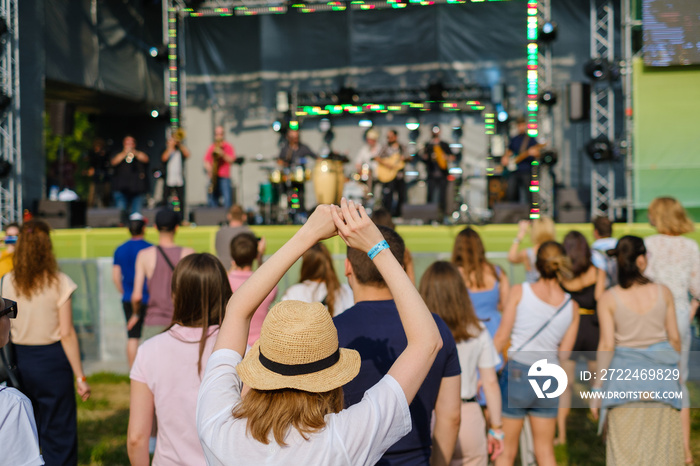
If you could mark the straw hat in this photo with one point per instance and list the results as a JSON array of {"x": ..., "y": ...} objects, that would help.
[{"x": 298, "y": 348}]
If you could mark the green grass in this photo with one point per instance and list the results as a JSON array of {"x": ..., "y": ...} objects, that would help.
[{"x": 103, "y": 421}]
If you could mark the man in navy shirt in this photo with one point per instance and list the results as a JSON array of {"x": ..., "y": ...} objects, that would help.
[
  {"x": 524, "y": 147},
  {"x": 123, "y": 272},
  {"x": 373, "y": 328}
]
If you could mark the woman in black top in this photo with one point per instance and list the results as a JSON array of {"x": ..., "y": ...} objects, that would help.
[{"x": 585, "y": 288}]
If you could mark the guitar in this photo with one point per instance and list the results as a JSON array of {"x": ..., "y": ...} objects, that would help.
[
  {"x": 513, "y": 161},
  {"x": 389, "y": 167}
]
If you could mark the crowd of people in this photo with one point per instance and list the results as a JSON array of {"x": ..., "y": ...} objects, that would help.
[{"x": 381, "y": 370}]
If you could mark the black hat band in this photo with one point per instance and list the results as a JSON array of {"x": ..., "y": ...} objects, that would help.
[{"x": 300, "y": 369}]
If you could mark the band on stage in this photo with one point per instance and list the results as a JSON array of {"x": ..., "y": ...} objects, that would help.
[{"x": 379, "y": 174}]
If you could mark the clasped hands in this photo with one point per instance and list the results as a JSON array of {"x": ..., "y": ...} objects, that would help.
[{"x": 350, "y": 221}]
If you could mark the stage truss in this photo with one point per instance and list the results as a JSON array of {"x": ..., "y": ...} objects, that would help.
[{"x": 11, "y": 186}]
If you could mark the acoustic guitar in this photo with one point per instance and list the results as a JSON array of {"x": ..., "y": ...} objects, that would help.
[{"x": 389, "y": 167}]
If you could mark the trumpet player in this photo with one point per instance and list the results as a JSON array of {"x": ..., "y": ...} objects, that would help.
[
  {"x": 217, "y": 164},
  {"x": 130, "y": 180},
  {"x": 173, "y": 158}
]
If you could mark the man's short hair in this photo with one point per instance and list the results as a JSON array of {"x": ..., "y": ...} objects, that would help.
[
  {"x": 603, "y": 226},
  {"x": 236, "y": 212},
  {"x": 364, "y": 269},
  {"x": 244, "y": 249},
  {"x": 167, "y": 220}
]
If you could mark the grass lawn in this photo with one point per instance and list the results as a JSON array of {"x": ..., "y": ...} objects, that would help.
[{"x": 103, "y": 420}]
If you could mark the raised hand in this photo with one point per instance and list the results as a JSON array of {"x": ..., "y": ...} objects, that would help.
[
  {"x": 320, "y": 224},
  {"x": 355, "y": 227}
]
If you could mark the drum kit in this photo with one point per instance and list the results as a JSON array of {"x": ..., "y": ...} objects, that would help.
[{"x": 279, "y": 197}]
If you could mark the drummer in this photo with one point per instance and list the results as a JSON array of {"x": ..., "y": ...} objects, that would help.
[
  {"x": 293, "y": 154},
  {"x": 370, "y": 151}
]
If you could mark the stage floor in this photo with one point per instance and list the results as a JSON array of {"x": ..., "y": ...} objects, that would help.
[{"x": 101, "y": 242}]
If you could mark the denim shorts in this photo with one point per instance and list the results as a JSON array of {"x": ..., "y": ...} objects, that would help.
[{"x": 518, "y": 396}]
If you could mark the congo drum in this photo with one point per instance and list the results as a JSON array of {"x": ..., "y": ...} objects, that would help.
[{"x": 328, "y": 179}]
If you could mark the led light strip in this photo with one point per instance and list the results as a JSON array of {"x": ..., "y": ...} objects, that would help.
[
  {"x": 173, "y": 70},
  {"x": 532, "y": 105}
]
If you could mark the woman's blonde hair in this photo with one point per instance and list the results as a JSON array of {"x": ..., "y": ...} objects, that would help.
[
  {"x": 668, "y": 216},
  {"x": 443, "y": 291},
  {"x": 552, "y": 262},
  {"x": 277, "y": 410},
  {"x": 542, "y": 230}
]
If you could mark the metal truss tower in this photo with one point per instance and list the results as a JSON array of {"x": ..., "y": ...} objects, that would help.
[
  {"x": 10, "y": 186},
  {"x": 602, "y": 107}
]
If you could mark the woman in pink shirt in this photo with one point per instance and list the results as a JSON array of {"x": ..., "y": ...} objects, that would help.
[{"x": 167, "y": 371}]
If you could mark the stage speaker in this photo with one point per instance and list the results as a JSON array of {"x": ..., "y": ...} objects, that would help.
[
  {"x": 510, "y": 212},
  {"x": 209, "y": 215},
  {"x": 424, "y": 212},
  {"x": 108, "y": 217},
  {"x": 579, "y": 101},
  {"x": 60, "y": 214},
  {"x": 570, "y": 208},
  {"x": 61, "y": 117}
]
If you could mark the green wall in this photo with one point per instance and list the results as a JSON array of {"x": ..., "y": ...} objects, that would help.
[{"x": 666, "y": 136}]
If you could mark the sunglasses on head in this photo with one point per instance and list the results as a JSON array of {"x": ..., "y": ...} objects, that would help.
[{"x": 10, "y": 309}]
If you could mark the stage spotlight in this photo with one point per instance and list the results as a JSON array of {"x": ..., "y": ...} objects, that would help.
[
  {"x": 159, "y": 52},
  {"x": 412, "y": 124},
  {"x": 599, "y": 69},
  {"x": 365, "y": 123},
  {"x": 294, "y": 125},
  {"x": 5, "y": 101},
  {"x": 457, "y": 131},
  {"x": 600, "y": 149},
  {"x": 155, "y": 113},
  {"x": 548, "y": 97},
  {"x": 5, "y": 168},
  {"x": 548, "y": 32},
  {"x": 502, "y": 116},
  {"x": 549, "y": 156},
  {"x": 347, "y": 96},
  {"x": 3, "y": 26},
  {"x": 276, "y": 126},
  {"x": 436, "y": 91}
]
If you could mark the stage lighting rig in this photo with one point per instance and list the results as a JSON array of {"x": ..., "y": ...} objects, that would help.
[
  {"x": 3, "y": 27},
  {"x": 600, "y": 149},
  {"x": 5, "y": 101},
  {"x": 549, "y": 156},
  {"x": 548, "y": 32},
  {"x": 548, "y": 97},
  {"x": 159, "y": 52},
  {"x": 599, "y": 69},
  {"x": 5, "y": 168}
]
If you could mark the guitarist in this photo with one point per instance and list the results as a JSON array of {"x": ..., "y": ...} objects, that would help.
[
  {"x": 522, "y": 151},
  {"x": 217, "y": 164},
  {"x": 437, "y": 155},
  {"x": 393, "y": 158}
]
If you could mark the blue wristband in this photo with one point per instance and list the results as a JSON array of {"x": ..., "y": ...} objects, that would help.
[
  {"x": 380, "y": 246},
  {"x": 497, "y": 434}
]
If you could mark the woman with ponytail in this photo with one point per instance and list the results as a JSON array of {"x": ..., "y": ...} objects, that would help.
[
  {"x": 168, "y": 368},
  {"x": 638, "y": 335},
  {"x": 541, "y": 321},
  {"x": 319, "y": 283}
]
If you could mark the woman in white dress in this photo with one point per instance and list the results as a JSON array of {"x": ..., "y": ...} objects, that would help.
[
  {"x": 674, "y": 261},
  {"x": 319, "y": 283}
]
